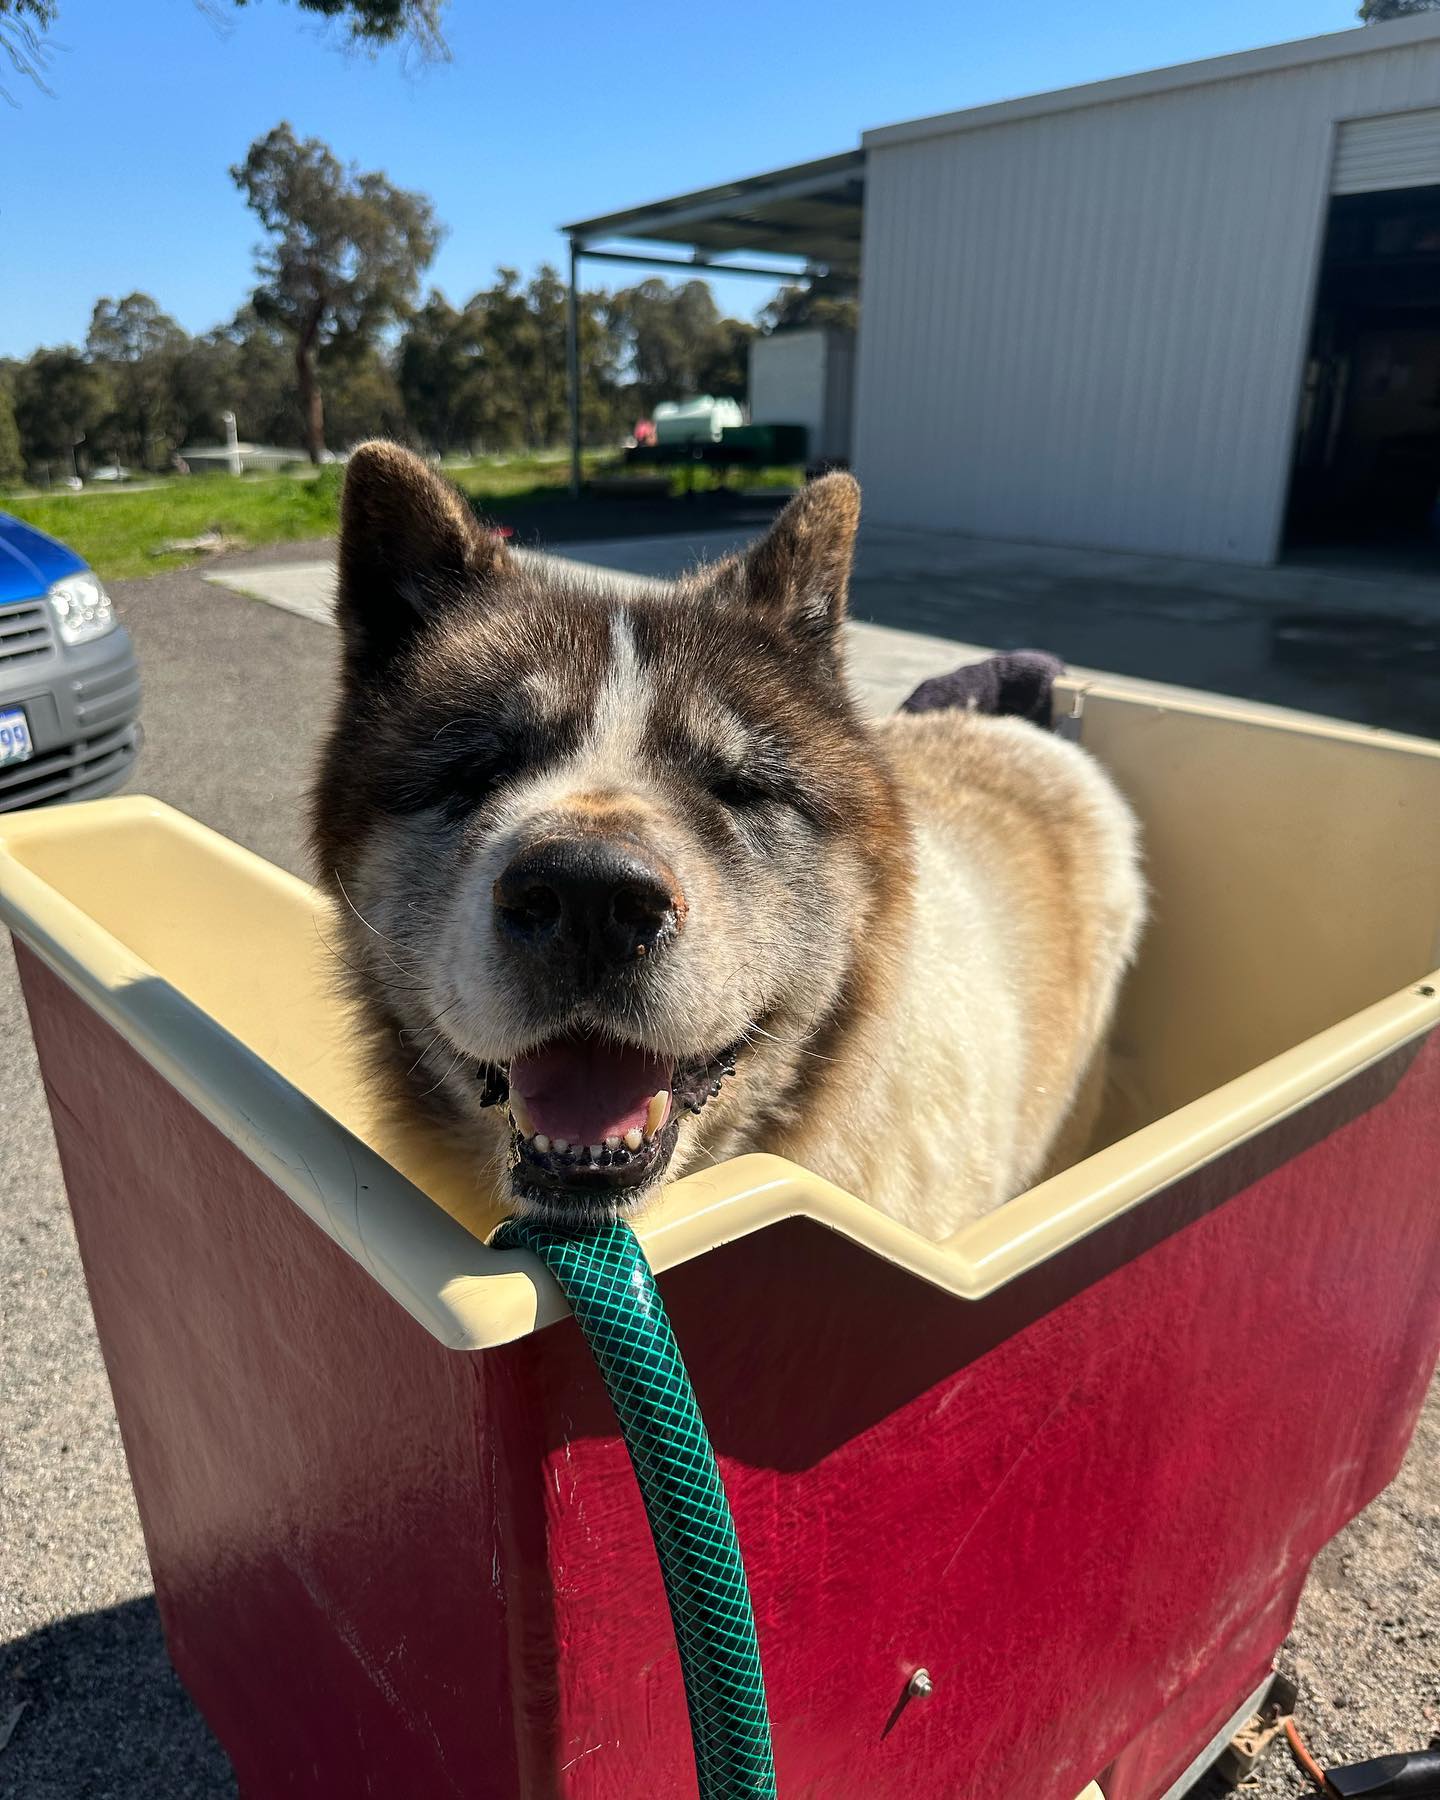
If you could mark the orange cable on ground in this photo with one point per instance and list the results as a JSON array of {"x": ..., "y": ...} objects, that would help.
[{"x": 1306, "y": 1761}]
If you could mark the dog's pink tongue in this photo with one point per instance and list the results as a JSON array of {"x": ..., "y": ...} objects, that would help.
[{"x": 585, "y": 1090}]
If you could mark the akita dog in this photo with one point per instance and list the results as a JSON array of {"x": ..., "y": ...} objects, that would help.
[{"x": 630, "y": 884}]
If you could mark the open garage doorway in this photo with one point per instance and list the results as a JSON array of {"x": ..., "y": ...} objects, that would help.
[{"x": 1366, "y": 478}]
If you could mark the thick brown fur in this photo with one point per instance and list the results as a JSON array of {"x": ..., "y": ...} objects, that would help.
[{"x": 915, "y": 931}]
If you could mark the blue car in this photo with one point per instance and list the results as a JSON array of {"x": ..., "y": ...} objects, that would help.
[{"x": 69, "y": 686}]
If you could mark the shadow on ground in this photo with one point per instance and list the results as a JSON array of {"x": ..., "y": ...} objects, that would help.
[
  {"x": 549, "y": 516},
  {"x": 105, "y": 1715},
  {"x": 1313, "y": 648}
]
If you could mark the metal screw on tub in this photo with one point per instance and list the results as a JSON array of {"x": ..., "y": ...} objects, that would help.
[{"x": 921, "y": 1686}]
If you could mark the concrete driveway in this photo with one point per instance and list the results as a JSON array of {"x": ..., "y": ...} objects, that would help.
[
  {"x": 236, "y": 694},
  {"x": 1359, "y": 643}
]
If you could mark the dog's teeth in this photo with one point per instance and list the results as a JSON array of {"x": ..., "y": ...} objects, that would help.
[
  {"x": 520, "y": 1117},
  {"x": 634, "y": 1138},
  {"x": 655, "y": 1113},
  {"x": 541, "y": 1143},
  {"x": 612, "y": 1143},
  {"x": 576, "y": 1152},
  {"x": 560, "y": 1146},
  {"x": 595, "y": 1150}
]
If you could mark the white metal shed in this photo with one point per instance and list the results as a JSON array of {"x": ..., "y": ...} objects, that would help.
[
  {"x": 1166, "y": 313},
  {"x": 1086, "y": 314}
]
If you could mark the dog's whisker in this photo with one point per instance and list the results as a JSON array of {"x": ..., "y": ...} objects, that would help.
[
  {"x": 409, "y": 987},
  {"x": 435, "y": 1037},
  {"x": 383, "y": 936},
  {"x": 423, "y": 1054},
  {"x": 795, "y": 1049},
  {"x": 459, "y": 1057},
  {"x": 344, "y": 894},
  {"x": 411, "y": 1032}
]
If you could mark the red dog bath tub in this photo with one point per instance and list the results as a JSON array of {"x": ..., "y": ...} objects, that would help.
[{"x": 1074, "y": 1462}]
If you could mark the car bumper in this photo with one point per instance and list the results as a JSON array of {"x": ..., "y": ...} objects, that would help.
[{"x": 82, "y": 706}]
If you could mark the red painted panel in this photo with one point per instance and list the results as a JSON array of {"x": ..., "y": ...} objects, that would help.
[
  {"x": 314, "y": 1473},
  {"x": 1160, "y": 1755},
  {"x": 1087, "y": 1505},
  {"x": 1083, "y": 1505}
]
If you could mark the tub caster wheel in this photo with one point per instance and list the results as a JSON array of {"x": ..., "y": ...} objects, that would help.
[{"x": 1255, "y": 1739}]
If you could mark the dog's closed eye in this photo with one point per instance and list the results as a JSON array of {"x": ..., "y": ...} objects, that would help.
[
  {"x": 763, "y": 783},
  {"x": 456, "y": 763},
  {"x": 739, "y": 789},
  {"x": 456, "y": 774}
]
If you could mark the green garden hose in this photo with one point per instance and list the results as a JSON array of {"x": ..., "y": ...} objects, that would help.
[{"x": 612, "y": 1293}]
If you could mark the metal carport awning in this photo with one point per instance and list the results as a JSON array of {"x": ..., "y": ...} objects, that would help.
[{"x": 805, "y": 220}]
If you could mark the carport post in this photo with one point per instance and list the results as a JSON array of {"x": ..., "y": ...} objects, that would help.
[{"x": 572, "y": 359}]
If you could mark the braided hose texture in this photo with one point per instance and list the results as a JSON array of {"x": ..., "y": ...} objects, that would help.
[{"x": 612, "y": 1293}]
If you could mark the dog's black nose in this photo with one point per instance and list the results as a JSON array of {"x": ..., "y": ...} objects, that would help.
[{"x": 598, "y": 903}]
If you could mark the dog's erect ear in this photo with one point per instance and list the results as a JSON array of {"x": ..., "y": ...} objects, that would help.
[
  {"x": 799, "y": 572},
  {"x": 409, "y": 545}
]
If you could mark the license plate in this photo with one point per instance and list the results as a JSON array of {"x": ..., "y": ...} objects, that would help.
[{"x": 15, "y": 741}]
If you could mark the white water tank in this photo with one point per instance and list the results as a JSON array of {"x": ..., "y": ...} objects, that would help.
[{"x": 697, "y": 421}]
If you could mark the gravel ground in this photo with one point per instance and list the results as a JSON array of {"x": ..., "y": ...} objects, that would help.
[{"x": 235, "y": 699}]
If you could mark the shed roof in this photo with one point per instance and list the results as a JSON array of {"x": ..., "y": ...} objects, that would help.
[
  {"x": 1361, "y": 40},
  {"x": 810, "y": 211}
]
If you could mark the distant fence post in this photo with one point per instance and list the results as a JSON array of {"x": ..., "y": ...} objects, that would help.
[{"x": 232, "y": 445}]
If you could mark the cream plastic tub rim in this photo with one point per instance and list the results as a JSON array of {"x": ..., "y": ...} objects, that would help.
[{"x": 471, "y": 1297}]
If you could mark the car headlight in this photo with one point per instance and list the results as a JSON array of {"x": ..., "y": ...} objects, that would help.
[{"x": 83, "y": 610}]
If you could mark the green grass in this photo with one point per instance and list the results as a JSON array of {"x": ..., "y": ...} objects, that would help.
[
  {"x": 699, "y": 478},
  {"x": 507, "y": 477},
  {"x": 120, "y": 533}
]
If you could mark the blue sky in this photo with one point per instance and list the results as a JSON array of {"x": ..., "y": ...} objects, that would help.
[{"x": 546, "y": 113}]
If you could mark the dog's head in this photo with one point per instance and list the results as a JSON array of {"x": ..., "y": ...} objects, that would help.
[{"x": 603, "y": 862}]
